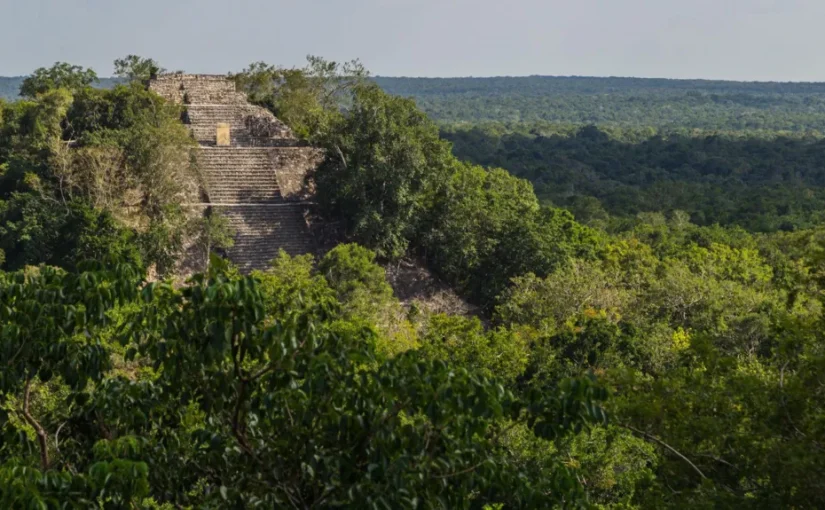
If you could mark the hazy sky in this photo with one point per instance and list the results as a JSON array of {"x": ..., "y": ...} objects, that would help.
[{"x": 731, "y": 39}]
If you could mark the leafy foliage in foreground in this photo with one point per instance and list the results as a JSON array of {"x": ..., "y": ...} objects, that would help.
[{"x": 241, "y": 407}]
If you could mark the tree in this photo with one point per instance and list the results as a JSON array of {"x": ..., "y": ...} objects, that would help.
[
  {"x": 60, "y": 76},
  {"x": 546, "y": 304},
  {"x": 362, "y": 289},
  {"x": 214, "y": 232},
  {"x": 307, "y": 99},
  {"x": 48, "y": 317},
  {"x": 132, "y": 157},
  {"x": 349, "y": 269},
  {"x": 463, "y": 342},
  {"x": 487, "y": 227},
  {"x": 37, "y": 231},
  {"x": 135, "y": 68},
  {"x": 385, "y": 159},
  {"x": 123, "y": 151}
]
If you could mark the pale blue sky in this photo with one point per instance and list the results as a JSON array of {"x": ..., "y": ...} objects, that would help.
[{"x": 728, "y": 39}]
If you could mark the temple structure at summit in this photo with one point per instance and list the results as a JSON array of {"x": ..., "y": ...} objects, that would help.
[{"x": 254, "y": 168}]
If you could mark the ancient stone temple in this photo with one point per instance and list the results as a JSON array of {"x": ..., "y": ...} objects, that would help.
[{"x": 253, "y": 167}]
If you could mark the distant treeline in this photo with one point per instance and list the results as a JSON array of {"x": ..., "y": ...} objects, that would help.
[
  {"x": 624, "y": 102},
  {"x": 627, "y": 102},
  {"x": 762, "y": 184}
]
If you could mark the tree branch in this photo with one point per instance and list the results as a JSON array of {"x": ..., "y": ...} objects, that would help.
[
  {"x": 462, "y": 472},
  {"x": 717, "y": 459},
  {"x": 238, "y": 428},
  {"x": 16, "y": 354},
  {"x": 39, "y": 430},
  {"x": 272, "y": 366},
  {"x": 57, "y": 436},
  {"x": 672, "y": 449}
]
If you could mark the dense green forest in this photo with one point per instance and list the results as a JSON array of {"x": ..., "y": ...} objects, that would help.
[
  {"x": 758, "y": 182},
  {"x": 625, "y": 102},
  {"x": 661, "y": 354}
]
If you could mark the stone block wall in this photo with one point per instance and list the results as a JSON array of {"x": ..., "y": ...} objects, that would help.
[{"x": 197, "y": 89}]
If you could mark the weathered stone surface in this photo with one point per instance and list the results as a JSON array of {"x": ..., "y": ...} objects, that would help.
[
  {"x": 197, "y": 89},
  {"x": 294, "y": 165},
  {"x": 249, "y": 125},
  {"x": 263, "y": 230},
  {"x": 254, "y": 169},
  {"x": 238, "y": 175}
]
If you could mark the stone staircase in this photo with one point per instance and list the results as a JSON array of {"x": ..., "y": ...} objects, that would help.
[
  {"x": 262, "y": 230},
  {"x": 239, "y": 175},
  {"x": 257, "y": 180}
]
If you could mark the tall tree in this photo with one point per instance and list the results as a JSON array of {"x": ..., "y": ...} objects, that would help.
[
  {"x": 307, "y": 99},
  {"x": 135, "y": 68},
  {"x": 385, "y": 161},
  {"x": 60, "y": 76}
]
